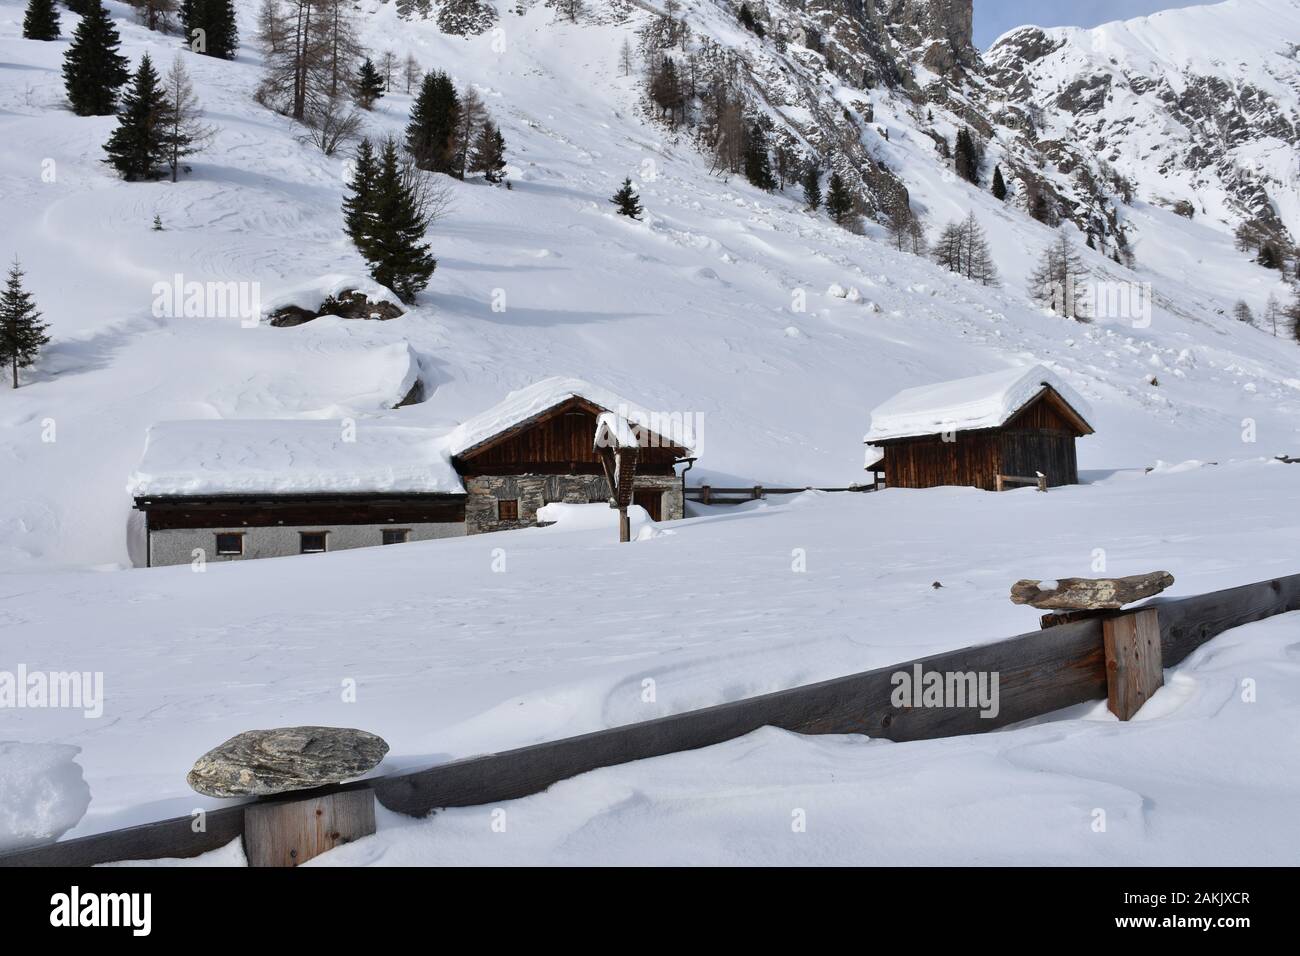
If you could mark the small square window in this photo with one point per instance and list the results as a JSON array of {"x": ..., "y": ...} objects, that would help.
[
  {"x": 230, "y": 544},
  {"x": 396, "y": 535},
  {"x": 508, "y": 509},
  {"x": 311, "y": 542}
]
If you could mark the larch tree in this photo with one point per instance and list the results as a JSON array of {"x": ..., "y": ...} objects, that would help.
[
  {"x": 1059, "y": 283},
  {"x": 22, "y": 333},
  {"x": 137, "y": 148},
  {"x": 412, "y": 73},
  {"x": 1242, "y": 312},
  {"x": 93, "y": 70},
  {"x": 489, "y": 154},
  {"x": 184, "y": 132},
  {"x": 963, "y": 248},
  {"x": 157, "y": 15},
  {"x": 469, "y": 121},
  {"x": 999, "y": 184},
  {"x": 41, "y": 20},
  {"x": 271, "y": 27},
  {"x": 1272, "y": 313}
]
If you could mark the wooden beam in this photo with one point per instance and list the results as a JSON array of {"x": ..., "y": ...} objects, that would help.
[{"x": 1134, "y": 668}]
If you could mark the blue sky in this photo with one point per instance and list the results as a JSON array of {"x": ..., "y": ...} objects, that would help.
[{"x": 995, "y": 17}]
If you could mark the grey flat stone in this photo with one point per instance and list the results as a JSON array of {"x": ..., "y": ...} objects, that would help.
[
  {"x": 1089, "y": 594},
  {"x": 260, "y": 762}
]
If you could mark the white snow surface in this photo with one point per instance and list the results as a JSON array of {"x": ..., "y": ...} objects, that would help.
[
  {"x": 224, "y": 457},
  {"x": 482, "y": 643},
  {"x": 980, "y": 401},
  {"x": 42, "y": 793}
]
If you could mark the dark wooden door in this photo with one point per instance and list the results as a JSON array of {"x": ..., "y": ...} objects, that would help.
[{"x": 650, "y": 500}]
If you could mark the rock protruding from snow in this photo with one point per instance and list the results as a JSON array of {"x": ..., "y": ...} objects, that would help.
[
  {"x": 42, "y": 793},
  {"x": 1089, "y": 594},
  {"x": 260, "y": 762}
]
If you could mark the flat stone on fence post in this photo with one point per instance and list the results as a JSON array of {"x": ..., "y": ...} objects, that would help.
[{"x": 1134, "y": 663}]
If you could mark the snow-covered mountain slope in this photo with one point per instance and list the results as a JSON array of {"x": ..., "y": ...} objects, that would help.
[
  {"x": 1200, "y": 104},
  {"x": 697, "y": 309}
]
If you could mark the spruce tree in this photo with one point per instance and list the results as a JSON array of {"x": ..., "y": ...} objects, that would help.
[
  {"x": 757, "y": 166},
  {"x": 41, "y": 22},
  {"x": 433, "y": 121},
  {"x": 92, "y": 68},
  {"x": 138, "y": 147},
  {"x": 370, "y": 85},
  {"x": 966, "y": 157},
  {"x": 839, "y": 201},
  {"x": 22, "y": 334},
  {"x": 215, "y": 19},
  {"x": 812, "y": 187},
  {"x": 398, "y": 255},
  {"x": 489, "y": 154},
  {"x": 627, "y": 201},
  {"x": 359, "y": 203},
  {"x": 999, "y": 184}
]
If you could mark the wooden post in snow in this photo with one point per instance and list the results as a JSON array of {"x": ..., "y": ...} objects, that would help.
[
  {"x": 290, "y": 832},
  {"x": 1134, "y": 664}
]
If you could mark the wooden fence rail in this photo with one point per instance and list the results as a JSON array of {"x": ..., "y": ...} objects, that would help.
[
  {"x": 1039, "y": 672},
  {"x": 709, "y": 494}
]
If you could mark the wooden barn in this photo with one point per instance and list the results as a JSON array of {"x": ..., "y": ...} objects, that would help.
[
  {"x": 538, "y": 446},
  {"x": 989, "y": 431}
]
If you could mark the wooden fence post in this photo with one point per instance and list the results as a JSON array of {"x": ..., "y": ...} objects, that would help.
[
  {"x": 1042, "y": 482},
  {"x": 624, "y": 526},
  {"x": 1134, "y": 666},
  {"x": 704, "y": 494},
  {"x": 997, "y": 483},
  {"x": 289, "y": 832},
  {"x": 758, "y": 492}
]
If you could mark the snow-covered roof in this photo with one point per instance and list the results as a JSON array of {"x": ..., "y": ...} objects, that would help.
[
  {"x": 527, "y": 403},
  {"x": 982, "y": 401},
  {"x": 231, "y": 457}
]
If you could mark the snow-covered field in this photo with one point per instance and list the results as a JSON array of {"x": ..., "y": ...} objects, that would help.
[{"x": 694, "y": 310}]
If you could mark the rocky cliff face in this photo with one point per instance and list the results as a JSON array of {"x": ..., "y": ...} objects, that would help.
[{"x": 1198, "y": 108}]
